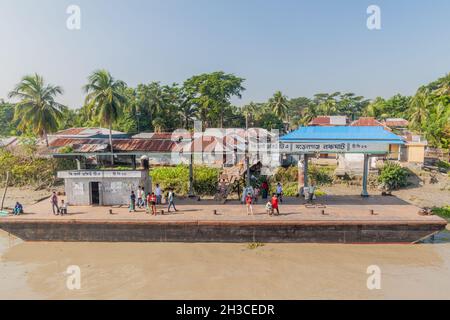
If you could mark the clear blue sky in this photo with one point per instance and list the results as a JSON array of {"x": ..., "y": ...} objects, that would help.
[{"x": 299, "y": 47}]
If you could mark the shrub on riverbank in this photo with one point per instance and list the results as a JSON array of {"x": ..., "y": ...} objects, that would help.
[
  {"x": 317, "y": 175},
  {"x": 443, "y": 212},
  {"x": 177, "y": 178},
  {"x": 26, "y": 170},
  {"x": 393, "y": 176}
]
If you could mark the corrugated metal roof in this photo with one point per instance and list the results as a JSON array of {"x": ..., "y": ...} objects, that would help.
[
  {"x": 367, "y": 122},
  {"x": 396, "y": 122},
  {"x": 88, "y": 148},
  {"x": 348, "y": 134},
  {"x": 320, "y": 121},
  {"x": 86, "y": 132},
  {"x": 144, "y": 145},
  {"x": 119, "y": 145},
  {"x": 62, "y": 142}
]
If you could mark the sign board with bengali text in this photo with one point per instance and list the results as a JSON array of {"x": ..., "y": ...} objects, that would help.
[
  {"x": 334, "y": 147},
  {"x": 80, "y": 174}
]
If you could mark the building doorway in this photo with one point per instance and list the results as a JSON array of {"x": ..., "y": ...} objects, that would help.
[{"x": 95, "y": 193}]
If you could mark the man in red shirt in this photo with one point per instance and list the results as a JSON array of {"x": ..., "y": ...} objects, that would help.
[
  {"x": 151, "y": 203},
  {"x": 275, "y": 204}
]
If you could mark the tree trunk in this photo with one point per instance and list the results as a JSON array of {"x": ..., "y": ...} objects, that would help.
[
  {"x": 6, "y": 189},
  {"x": 150, "y": 115},
  {"x": 45, "y": 137},
  {"x": 111, "y": 144}
]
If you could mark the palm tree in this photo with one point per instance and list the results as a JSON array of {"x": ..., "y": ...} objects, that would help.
[
  {"x": 159, "y": 124},
  {"x": 419, "y": 110},
  {"x": 328, "y": 107},
  {"x": 308, "y": 114},
  {"x": 105, "y": 99},
  {"x": 441, "y": 87},
  {"x": 37, "y": 108},
  {"x": 187, "y": 111},
  {"x": 279, "y": 105}
]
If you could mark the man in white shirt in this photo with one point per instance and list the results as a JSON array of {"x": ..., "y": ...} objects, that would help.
[
  {"x": 140, "y": 197},
  {"x": 280, "y": 192},
  {"x": 158, "y": 194}
]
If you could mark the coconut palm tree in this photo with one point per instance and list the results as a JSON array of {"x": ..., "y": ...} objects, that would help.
[
  {"x": 279, "y": 105},
  {"x": 187, "y": 111},
  {"x": 419, "y": 110},
  {"x": 308, "y": 114},
  {"x": 37, "y": 108},
  {"x": 159, "y": 124},
  {"x": 105, "y": 99}
]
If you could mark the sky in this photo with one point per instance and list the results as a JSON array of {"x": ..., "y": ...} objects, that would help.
[{"x": 298, "y": 47}]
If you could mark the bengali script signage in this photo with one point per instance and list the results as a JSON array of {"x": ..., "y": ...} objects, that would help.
[
  {"x": 98, "y": 174},
  {"x": 334, "y": 147}
]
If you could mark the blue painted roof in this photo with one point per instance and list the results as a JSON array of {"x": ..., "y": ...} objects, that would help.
[{"x": 342, "y": 134}]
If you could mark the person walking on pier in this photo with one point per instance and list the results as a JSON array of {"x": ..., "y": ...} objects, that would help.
[
  {"x": 171, "y": 200},
  {"x": 140, "y": 197},
  {"x": 54, "y": 202}
]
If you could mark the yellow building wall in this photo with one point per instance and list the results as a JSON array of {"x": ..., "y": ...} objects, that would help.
[
  {"x": 394, "y": 150},
  {"x": 416, "y": 152}
]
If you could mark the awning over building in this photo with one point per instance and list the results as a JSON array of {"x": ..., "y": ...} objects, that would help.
[{"x": 342, "y": 134}]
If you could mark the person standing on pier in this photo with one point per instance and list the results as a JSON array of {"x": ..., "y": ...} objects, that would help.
[
  {"x": 132, "y": 202},
  {"x": 171, "y": 200},
  {"x": 265, "y": 190},
  {"x": 248, "y": 202},
  {"x": 280, "y": 192},
  {"x": 158, "y": 194},
  {"x": 275, "y": 204},
  {"x": 63, "y": 208},
  {"x": 151, "y": 202},
  {"x": 54, "y": 202}
]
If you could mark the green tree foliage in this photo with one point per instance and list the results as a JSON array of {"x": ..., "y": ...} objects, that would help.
[
  {"x": 27, "y": 170},
  {"x": 211, "y": 94},
  {"x": 279, "y": 105},
  {"x": 7, "y": 123},
  {"x": 105, "y": 99},
  {"x": 177, "y": 178},
  {"x": 37, "y": 109},
  {"x": 207, "y": 97}
]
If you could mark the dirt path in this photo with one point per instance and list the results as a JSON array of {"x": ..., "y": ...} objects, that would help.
[
  {"x": 26, "y": 196},
  {"x": 421, "y": 194}
]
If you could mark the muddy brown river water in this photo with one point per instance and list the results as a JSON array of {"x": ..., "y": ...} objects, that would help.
[{"x": 223, "y": 271}]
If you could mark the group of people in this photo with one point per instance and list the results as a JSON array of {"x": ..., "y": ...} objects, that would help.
[
  {"x": 58, "y": 209},
  {"x": 251, "y": 196},
  {"x": 149, "y": 201}
]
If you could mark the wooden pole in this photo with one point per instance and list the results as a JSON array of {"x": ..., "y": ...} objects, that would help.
[{"x": 6, "y": 188}]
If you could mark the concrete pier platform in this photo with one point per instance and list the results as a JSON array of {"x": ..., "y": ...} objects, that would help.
[{"x": 333, "y": 219}]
